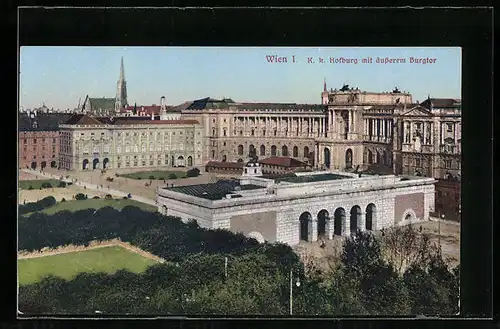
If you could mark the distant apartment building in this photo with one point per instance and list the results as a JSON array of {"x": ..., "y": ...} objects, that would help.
[{"x": 39, "y": 139}]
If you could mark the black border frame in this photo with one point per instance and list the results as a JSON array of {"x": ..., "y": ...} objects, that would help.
[{"x": 470, "y": 28}]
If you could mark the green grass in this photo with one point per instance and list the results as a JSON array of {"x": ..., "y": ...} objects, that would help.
[
  {"x": 37, "y": 183},
  {"x": 68, "y": 265},
  {"x": 156, "y": 174},
  {"x": 74, "y": 205}
]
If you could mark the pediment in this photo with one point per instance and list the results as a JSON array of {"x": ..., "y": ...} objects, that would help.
[{"x": 417, "y": 111}]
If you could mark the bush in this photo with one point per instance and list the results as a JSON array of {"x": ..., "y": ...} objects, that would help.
[
  {"x": 80, "y": 196},
  {"x": 139, "y": 178},
  {"x": 47, "y": 202},
  {"x": 172, "y": 176},
  {"x": 108, "y": 197},
  {"x": 151, "y": 177},
  {"x": 63, "y": 200},
  {"x": 195, "y": 172},
  {"x": 117, "y": 175},
  {"x": 96, "y": 197},
  {"x": 46, "y": 185},
  {"x": 161, "y": 178},
  {"x": 62, "y": 184},
  {"x": 30, "y": 188}
]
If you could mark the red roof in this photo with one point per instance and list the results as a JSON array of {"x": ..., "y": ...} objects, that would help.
[
  {"x": 148, "y": 109},
  {"x": 283, "y": 162},
  {"x": 219, "y": 164},
  {"x": 120, "y": 121}
]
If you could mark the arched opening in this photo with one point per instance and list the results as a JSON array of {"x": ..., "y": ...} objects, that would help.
[
  {"x": 240, "y": 149},
  {"x": 370, "y": 157},
  {"x": 339, "y": 221},
  {"x": 284, "y": 151},
  {"x": 251, "y": 151},
  {"x": 53, "y": 164},
  {"x": 43, "y": 164},
  {"x": 257, "y": 236},
  {"x": 172, "y": 161},
  {"x": 273, "y": 150},
  {"x": 418, "y": 173},
  {"x": 355, "y": 219},
  {"x": 33, "y": 165},
  {"x": 180, "y": 161},
  {"x": 85, "y": 164},
  {"x": 323, "y": 223},
  {"x": 95, "y": 163},
  {"x": 306, "y": 152},
  {"x": 379, "y": 158},
  {"x": 348, "y": 159},
  {"x": 305, "y": 225},
  {"x": 105, "y": 163},
  {"x": 190, "y": 161},
  {"x": 224, "y": 158},
  {"x": 371, "y": 213},
  {"x": 262, "y": 150},
  {"x": 164, "y": 210},
  {"x": 327, "y": 157},
  {"x": 295, "y": 152}
]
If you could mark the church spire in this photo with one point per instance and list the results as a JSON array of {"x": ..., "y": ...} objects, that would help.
[
  {"x": 121, "y": 90},
  {"x": 324, "y": 84}
]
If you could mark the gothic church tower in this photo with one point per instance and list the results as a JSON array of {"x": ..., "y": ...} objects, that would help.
[{"x": 121, "y": 90}]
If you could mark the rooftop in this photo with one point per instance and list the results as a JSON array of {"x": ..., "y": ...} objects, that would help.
[
  {"x": 283, "y": 162},
  {"x": 309, "y": 178},
  {"x": 214, "y": 191},
  {"x": 44, "y": 121}
]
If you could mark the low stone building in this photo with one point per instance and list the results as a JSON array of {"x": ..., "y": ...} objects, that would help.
[
  {"x": 276, "y": 165},
  {"x": 222, "y": 167},
  {"x": 304, "y": 206}
]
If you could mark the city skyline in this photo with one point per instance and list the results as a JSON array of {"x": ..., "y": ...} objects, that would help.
[{"x": 245, "y": 74}]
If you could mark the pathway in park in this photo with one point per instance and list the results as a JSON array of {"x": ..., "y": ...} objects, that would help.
[{"x": 91, "y": 186}]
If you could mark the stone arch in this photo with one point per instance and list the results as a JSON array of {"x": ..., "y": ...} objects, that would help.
[
  {"x": 224, "y": 158},
  {"x": 273, "y": 150},
  {"x": 33, "y": 165},
  {"x": 348, "y": 158},
  {"x": 355, "y": 219},
  {"x": 370, "y": 216},
  {"x": 257, "y": 236},
  {"x": 95, "y": 163},
  {"x": 295, "y": 152},
  {"x": 43, "y": 164},
  {"x": 190, "y": 161},
  {"x": 284, "y": 150},
  {"x": 409, "y": 216},
  {"x": 262, "y": 149},
  {"x": 339, "y": 221},
  {"x": 85, "y": 164},
  {"x": 305, "y": 220},
  {"x": 180, "y": 161},
  {"x": 370, "y": 156},
  {"x": 306, "y": 152},
  {"x": 327, "y": 157},
  {"x": 240, "y": 149},
  {"x": 53, "y": 164},
  {"x": 105, "y": 163},
  {"x": 323, "y": 223}
]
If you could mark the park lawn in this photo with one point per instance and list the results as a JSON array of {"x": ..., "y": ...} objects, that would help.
[
  {"x": 74, "y": 205},
  {"x": 157, "y": 174},
  {"x": 68, "y": 265},
  {"x": 37, "y": 183}
]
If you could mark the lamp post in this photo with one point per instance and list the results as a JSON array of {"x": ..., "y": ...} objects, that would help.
[
  {"x": 297, "y": 283},
  {"x": 439, "y": 230}
]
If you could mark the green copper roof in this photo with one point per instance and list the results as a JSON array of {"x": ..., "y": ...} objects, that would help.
[{"x": 102, "y": 103}]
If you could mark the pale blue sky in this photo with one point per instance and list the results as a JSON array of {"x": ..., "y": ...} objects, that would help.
[{"x": 59, "y": 76}]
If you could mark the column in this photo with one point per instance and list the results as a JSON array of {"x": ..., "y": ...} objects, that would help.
[
  {"x": 424, "y": 126},
  {"x": 314, "y": 230},
  {"x": 442, "y": 133},
  {"x": 333, "y": 120},
  {"x": 455, "y": 131},
  {"x": 330, "y": 222},
  {"x": 411, "y": 131}
]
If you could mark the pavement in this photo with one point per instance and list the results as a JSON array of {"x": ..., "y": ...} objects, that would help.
[{"x": 91, "y": 186}]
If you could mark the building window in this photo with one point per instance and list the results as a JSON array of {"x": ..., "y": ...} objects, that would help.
[
  {"x": 418, "y": 163},
  {"x": 53, "y": 140},
  {"x": 225, "y": 132},
  {"x": 25, "y": 141},
  {"x": 224, "y": 143},
  {"x": 450, "y": 127},
  {"x": 275, "y": 132},
  {"x": 34, "y": 141},
  {"x": 253, "y": 132},
  {"x": 447, "y": 163}
]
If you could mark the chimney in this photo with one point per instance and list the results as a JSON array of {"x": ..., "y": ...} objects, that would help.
[{"x": 162, "y": 103}]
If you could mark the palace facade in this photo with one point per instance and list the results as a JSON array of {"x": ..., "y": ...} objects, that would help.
[
  {"x": 90, "y": 143},
  {"x": 351, "y": 129}
]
